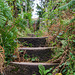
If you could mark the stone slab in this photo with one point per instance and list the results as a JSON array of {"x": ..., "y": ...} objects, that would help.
[
  {"x": 33, "y": 41},
  {"x": 42, "y": 53},
  {"x": 26, "y": 68}
]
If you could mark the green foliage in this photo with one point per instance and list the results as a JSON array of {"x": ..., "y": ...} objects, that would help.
[
  {"x": 39, "y": 33},
  {"x": 33, "y": 74},
  {"x": 42, "y": 70},
  {"x": 25, "y": 56},
  {"x": 26, "y": 44},
  {"x": 53, "y": 14},
  {"x": 20, "y": 22},
  {"x": 8, "y": 34},
  {"x": 5, "y": 13},
  {"x": 41, "y": 11},
  {"x": 68, "y": 5},
  {"x": 10, "y": 27},
  {"x": 73, "y": 20}
]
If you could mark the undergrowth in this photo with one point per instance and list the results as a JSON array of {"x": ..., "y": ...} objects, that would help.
[{"x": 60, "y": 26}]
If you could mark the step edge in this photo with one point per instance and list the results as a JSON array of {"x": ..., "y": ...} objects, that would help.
[
  {"x": 35, "y": 48},
  {"x": 32, "y": 37},
  {"x": 33, "y": 64}
]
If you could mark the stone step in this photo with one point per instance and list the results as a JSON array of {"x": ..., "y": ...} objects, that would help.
[
  {"x": 42, "y": 53},
  {"x": 33, "y": 41},
  {"x": 31, "y": 35},
  {"x": 26, "y": 68}
]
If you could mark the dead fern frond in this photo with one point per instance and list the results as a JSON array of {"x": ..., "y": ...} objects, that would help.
[{"x": 2, "y": 56}]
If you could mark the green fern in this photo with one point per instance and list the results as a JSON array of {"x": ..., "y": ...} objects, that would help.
[
  {"x": 73, "y": 20},
  {"x": 5, "y": 13},
  {"x": 68, "y": 5}
]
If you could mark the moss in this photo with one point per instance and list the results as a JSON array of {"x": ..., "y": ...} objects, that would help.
[{"x": 15, "y": 69}]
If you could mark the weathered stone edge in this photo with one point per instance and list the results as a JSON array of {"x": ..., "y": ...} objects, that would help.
[
  {"x": 34, "y": 64},
  {"x": 35, "y": 48},
  {"x": 32, "y": 37}
]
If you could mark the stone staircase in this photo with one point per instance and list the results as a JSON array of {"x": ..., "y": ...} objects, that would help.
[{"x": 39, "y": 49}]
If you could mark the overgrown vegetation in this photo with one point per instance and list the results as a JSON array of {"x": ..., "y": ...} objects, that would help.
[{"x": 58, "y": 22}]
